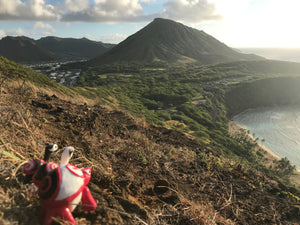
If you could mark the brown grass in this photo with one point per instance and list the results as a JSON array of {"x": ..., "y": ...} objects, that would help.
[{"x": 129, "y": 159}]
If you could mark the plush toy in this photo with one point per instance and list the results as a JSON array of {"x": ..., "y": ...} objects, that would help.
[
  {"x": 36, "y": 169},
  {"x": 63, "y": 189}
]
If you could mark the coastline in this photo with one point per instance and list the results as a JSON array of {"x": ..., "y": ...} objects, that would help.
[
  {"x": 234, "y": 127},
  {"x": 269, "y": 155}
]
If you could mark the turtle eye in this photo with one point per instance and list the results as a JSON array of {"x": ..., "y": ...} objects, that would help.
[{"x": 54, "y": 148}]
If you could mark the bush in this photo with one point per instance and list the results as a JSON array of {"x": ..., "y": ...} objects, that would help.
[{"x": 283, "y": 167}]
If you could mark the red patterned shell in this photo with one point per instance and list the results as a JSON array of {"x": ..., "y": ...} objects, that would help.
[{"x": 32, "y": 166}]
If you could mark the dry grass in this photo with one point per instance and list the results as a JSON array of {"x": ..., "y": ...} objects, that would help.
[
  {"x": 128, "y": 158},
  {"x": 189, "y": 212}
]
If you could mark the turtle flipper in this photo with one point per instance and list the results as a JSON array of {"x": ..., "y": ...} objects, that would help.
[{"x": 87, "y": 200}]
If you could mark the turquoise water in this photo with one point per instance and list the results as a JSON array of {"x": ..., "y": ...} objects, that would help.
[{"x": 279, "y": 126}]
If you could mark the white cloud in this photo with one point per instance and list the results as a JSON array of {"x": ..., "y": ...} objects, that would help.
[
  {"x": 13, "y": 32},
  {"x": 113, "y": 38},
  {"x": 146, "y": 1},
  {"x": 76, "y": 5},
  {"x": 193, "y": 11},
  {"x": 45, "y": 28},
  {"x": 9, "y": 7},
  {"x": 27, "y": 10},
  {"x": 105, "y": 10},
  {"x": 20, "y": 32},
  {"x": 39, "y": 29},
  {"x": 2, "y": 33}
]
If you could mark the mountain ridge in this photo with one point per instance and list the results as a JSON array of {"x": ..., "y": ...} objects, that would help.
[
  {"x": 72, "y": 47},
  {"x": 27, "y": 50},
  {"x": 22, "y": 49}
]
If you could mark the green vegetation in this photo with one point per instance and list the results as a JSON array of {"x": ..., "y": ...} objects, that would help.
[
  {"x": 283, "y": 167},
  {"x": 264, "y": 92},
  {"x": 141, "y": 171},
  {"x": 72, "y": 48},
  {"x": 190, "y": 99},
  {"x": 10, "y": 70}
]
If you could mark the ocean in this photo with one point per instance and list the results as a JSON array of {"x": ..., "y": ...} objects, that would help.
[
  {"x": 279, "y": 127},
  {"x": 285, "y": 54}
]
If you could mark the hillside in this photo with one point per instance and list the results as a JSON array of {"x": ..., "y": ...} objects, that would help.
[
  {"x": 141, "y": 173},
  {"x": 71, "y": 48},
  {"x": 26, "y": 50},
  {"x": 23, "y": 49},
  {"x": 168, "y": 41},
  {"x": 263, "y": 93},
  {"x": 194, "y": 99}
]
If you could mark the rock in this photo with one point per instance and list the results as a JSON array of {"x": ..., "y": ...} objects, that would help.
[{"x": 41, "y": 105}]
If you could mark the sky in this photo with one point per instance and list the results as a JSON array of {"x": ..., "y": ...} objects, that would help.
[{"x": 237, "y": 23}]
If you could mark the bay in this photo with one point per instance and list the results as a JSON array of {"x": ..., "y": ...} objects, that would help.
[{"x": 278, "y": 126}]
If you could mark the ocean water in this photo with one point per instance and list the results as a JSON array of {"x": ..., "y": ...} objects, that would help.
[
  {"x": 279, "y": 126},
  {"x": 285, "y": 54}
]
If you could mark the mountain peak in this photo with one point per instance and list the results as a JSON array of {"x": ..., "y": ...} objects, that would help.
[
  {"x": 163, "y": 20},
  {"x": 169, "y": 41}
]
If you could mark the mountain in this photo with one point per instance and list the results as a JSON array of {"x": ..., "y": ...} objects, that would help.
[
  {"x": 70, "y": 48},
  {"x": 23, "y": 49},
  {"x": 169, "y": 41},
  {"x": 27, "y": 50}
]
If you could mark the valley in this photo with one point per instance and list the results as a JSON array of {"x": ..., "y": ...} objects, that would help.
[{"x": 55, "y": 72}]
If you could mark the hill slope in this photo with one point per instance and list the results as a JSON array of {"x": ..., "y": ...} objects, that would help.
[
  {"x": 71, "y": 48},
  {"x": 26, "y": 50},
  {"x": 141, "y": 174},
  {"x": 23, "y": 49},
  {"x": 169, "y": 41}
]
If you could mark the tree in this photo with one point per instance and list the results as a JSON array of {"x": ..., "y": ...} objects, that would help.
[{"x": 284, "y": 167}]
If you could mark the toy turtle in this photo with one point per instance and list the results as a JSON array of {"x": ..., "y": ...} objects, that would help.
[{"x": 63, "y": 189}]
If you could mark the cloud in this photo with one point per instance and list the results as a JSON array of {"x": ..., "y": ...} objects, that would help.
[
  {"x": 193, "y": 11},
  {"x": 2, "y": 33},
  {"x": 146, "y": 1},
  {"x": 113, "y": 38},
  {"x": 105, "y": 10},
  {"x": 76, "y": 5},
  {"x": 13, "y": 32},
  {"x": 29, "y": 10},
  {"x": 39, "y": 28},
  {"x": 45, "y": 28}
]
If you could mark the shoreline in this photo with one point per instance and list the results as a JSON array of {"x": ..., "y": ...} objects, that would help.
[
  {"x": 269, "y": 155},
  {"x": 235, "y": 127}
]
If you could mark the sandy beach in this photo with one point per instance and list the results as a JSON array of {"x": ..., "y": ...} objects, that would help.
[{"x": 269, "y": 155}]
